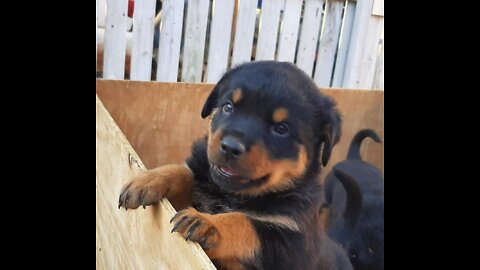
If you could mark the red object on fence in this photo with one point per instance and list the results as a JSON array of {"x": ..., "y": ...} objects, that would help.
[{"x": 130, "y": 8}]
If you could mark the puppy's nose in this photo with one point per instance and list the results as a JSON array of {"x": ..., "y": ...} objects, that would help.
[{"x": 231, "y": 147}]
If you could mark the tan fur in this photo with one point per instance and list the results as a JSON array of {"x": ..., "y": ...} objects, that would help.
[
  {"x": 282, "y": 172},
  {"x": 214, "y": 112},
  {"x": 256, "y": 164},
  {"x": 325, "y": 217},
  {"x": 231, "y": 237},
  {"x": 214, "y": 141},
  {"x": 237, "y": 95},
  {"x": 232, "y": 264},
  {"x": 280, "y": 115},
  {"x": 282, "y": 221},
  {"x": 172, "y": 181}
]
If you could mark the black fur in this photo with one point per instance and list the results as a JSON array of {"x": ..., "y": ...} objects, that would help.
[
  {"x": 280, "y": 83},
  {"x": 354, "y": 149},
  {"x": 354, "y": 192},
  {"x": 314, "y": 122}
]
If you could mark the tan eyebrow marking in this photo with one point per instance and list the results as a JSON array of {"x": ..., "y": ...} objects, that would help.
[
  {"x": 237, "y": 95},
  {"x": 280, "y": 115}
]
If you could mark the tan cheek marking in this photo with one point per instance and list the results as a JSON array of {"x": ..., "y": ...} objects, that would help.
[
  {"x": 280, "y": 115},
  {"x": 237, "y": 95},
  {"x": 212, "y": 115},
  {"x": 213, "y": 143},
  {"x": 284, "y": 171},
  {"x": 257, "y": 158},
  {"x": 281, "y": 172}
]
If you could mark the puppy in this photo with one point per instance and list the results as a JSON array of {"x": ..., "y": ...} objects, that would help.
[
  {"x": 250, "y": 191},
  {"x": 354, "y": 192}
]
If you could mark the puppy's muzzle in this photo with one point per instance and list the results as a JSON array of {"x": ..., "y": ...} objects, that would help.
[{"x": 231, "y": 148}]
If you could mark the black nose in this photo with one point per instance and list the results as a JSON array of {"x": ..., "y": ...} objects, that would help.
[{"x": 231, "y": 147}]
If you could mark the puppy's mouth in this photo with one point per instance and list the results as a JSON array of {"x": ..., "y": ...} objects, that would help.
[
  {"x": 228, "y": 172},
  {"x": 233, "y": 179}
]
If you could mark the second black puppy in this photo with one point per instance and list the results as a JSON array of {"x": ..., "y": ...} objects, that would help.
[
  {"x": 252, "y": 185},
  {"x": 354, "y": 192}
]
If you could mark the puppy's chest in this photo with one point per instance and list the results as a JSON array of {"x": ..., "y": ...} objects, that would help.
[{"x": 213, "y": 203}]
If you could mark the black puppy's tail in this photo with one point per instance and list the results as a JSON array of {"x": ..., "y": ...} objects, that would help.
[
  {"x": 354, "y": 149},
  {"x": 354, "y": 202}
]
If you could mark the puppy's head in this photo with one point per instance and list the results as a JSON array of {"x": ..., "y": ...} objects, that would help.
[{"x": 269, "y": 126}]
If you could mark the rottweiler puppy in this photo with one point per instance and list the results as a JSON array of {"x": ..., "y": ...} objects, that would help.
[
  {"x": 354, "y": 192},
  {"x": 252, "y": 185}
]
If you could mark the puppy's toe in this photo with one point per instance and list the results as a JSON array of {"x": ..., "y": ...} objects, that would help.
[
  {"x": 196, "y": 227},
  {"x": 140, "y": 193}
]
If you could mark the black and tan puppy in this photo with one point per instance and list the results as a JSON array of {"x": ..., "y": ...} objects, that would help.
[
  {"x": 354, "y": 193},
  {"x": 253, "y": 183}
]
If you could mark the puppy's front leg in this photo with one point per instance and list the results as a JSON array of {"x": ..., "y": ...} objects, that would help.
[
  {"x": 171, "y": 181},
  {"x": 228, "y": 238}
]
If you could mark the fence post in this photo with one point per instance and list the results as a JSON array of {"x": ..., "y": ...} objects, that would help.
[
  {"x": 141, "y": 65},
  {"x": 363, "y": 48},
  {"x": 115, "y": 40}
]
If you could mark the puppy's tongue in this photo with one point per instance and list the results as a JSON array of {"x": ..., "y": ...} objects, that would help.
[{"x": 229, "y": 171}]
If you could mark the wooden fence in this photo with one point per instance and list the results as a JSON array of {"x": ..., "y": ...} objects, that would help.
[{"x": 337, "y": 42}]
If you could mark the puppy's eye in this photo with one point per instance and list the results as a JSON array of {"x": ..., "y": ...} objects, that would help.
[
  {"x": 281, "y": 129},
  {"x": 227, "y": 107}
]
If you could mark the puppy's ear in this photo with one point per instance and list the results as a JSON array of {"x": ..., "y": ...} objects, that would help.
[
  {"x": 211, "y": 101},
  {"x": 330, "y": 128}
]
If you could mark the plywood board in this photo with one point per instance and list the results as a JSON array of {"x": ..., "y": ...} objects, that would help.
[
  {"x": 360, "y": 109},
  {"x": 139, "y": 239},
  {"x": 161, "y": 120}
]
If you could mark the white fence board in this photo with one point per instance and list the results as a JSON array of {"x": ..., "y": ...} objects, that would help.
[
  {"x": 244, "y": 30},
  {"x": 96, "y": 33},
  {"x": 344, "y": 44},
  {"x": 363, "y": 50},
  {"x": 170, "y": 40},
  {"x": 378, "y": 80},
  {"x": 141, "y": 65},
  {"x": 268, "y": 30},
  {"x": 102, "y": 13},
  {"x": 378, "y": 8},
  {"x": 221, "y": 28},
  {"x": 289, "y": 31},
  {"x": 194, "y": 40},
  {"x": 309, "y": 35},
  {"x": 337, "y": 51},
  {"x": 115, "y": 40},
  {"x": 329, "y": 43}
]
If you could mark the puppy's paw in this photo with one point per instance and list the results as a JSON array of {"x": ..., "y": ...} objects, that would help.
[
  {"x": 141, "y": 191},
  {"x": 197, "y": 227},
  {"x": 151, "y": 186}
]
